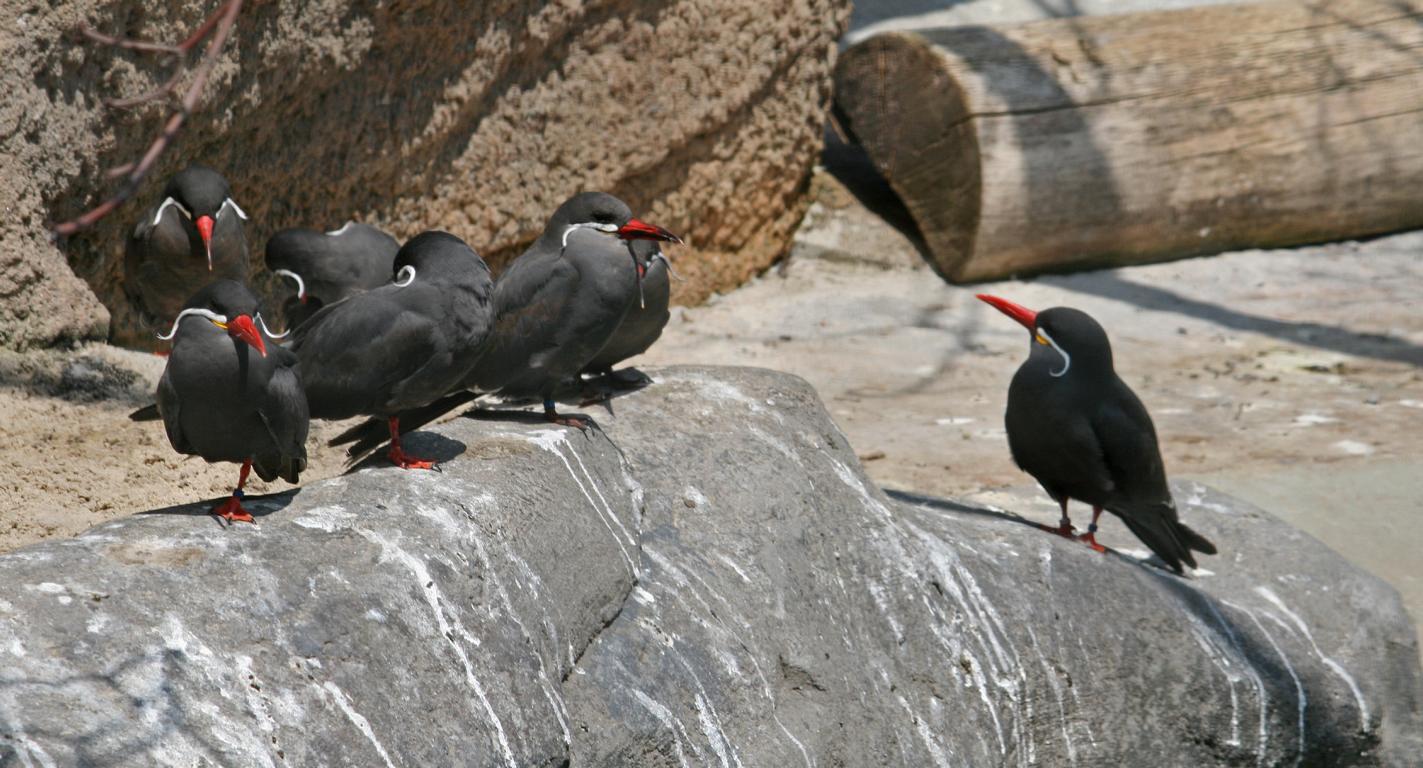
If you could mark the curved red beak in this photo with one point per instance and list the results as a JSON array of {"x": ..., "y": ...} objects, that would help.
[
  {"x": 204, "y": 225},
  {"x": 636, "y": 229},
  {"x": 242, "y": 327},
  {"x": 1025, "y": 317}
]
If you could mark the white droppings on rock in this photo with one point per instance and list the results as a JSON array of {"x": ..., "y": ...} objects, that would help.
[
  {"x": 1333, "y": 665},
  {"x": 357, "y": 719},
  {"x": 329, "y": 519}
]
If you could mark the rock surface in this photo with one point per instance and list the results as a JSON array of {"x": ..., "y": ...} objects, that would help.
[
  {"x": 710, "y": 582},
  {"x": 705, "y": 115}
]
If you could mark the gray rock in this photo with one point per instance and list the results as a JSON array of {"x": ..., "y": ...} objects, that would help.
[{"x": 731, "y": 592}]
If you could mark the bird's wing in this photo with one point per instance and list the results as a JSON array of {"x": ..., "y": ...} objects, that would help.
[
  {"x": 1142, "y": 498},
  {"x": 284, "y": 412},
  {"x": 530, "y": 301},
  {"x": 363, "y": 347},
  {"x": 1129, "y": 448},
  {"x": 168, "y": 408}
]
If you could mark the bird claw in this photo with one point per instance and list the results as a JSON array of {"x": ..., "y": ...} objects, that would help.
[
  {"x": 581, "y": 422},
  {"x": 400, "y": 459},
  {"x": 1090, "y": 539},
  {"x": 1064, "y": 530},
  {"x": 232, "y": 511}
]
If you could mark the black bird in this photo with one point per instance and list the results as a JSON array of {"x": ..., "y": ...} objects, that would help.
[
  {"x": 329, "y": 266},
  {"x": 1083, "y": 434},
  {"x": 190, "y": 238},
  {"x": 643, "y": 323},
  {"x": 554, "y": 308},
  {"x": 227, "y": 395},
  {"x": 402, "y": 345},
  {"x": 561, "y": 301}
]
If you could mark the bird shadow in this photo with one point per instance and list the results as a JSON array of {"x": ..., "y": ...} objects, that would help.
[
  {"x": 426, "y": 446},
  {"x": 258, "y": 506},
  {"x": 937, "y": 504},
  {"x": 1111, "y": 285}
]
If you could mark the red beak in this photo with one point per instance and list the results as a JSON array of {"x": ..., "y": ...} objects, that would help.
[
  {"x": 204, "y": 224},
  {"x": 641, "y": 230},
  {"x": 241, "y": 327},
  {"x": 1026, "y": 317}
]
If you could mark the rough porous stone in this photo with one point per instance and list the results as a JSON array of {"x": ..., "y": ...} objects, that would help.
[
  {"x": 712, "y": 581},
  {"x": 478, "y": 118}
]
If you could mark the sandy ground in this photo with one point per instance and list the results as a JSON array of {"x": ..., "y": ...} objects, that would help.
[
  {"x": 1292, "y": 378},
  {"x": 72, "y": 458}
]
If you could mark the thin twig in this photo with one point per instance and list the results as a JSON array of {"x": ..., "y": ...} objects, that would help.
[{"x": 219, "y": 25}]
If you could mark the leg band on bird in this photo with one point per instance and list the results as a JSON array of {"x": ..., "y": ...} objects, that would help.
[{"x": 231, "y": 509}]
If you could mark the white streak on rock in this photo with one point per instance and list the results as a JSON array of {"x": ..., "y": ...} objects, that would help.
[
  {"x": 550, "y": 440},
  {"x": 733, "y": 566},
  {"x": 1301, "y": 697},
  {"x": 362, "y": 724},
  {"x": 447, "y": 626},
  {"x": 936, "y": 750},
  {"x": 1254, "y": 674},
  {"x": 1333, "y": 665},
  {"x": 664, "y": 716},
  {"x": 712, "y": 731}
]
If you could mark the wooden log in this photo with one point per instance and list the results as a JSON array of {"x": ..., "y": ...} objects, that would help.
[{"x": 1142, "y": 137}]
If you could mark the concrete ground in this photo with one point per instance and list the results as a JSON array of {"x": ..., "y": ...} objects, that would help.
[{"x": 1290, "y": 378}]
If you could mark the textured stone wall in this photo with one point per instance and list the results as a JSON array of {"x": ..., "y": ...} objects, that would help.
[{"x": 478, "y": 118}]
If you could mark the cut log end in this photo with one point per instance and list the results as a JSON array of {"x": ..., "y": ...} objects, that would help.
[{"x": 898, "y": 100}]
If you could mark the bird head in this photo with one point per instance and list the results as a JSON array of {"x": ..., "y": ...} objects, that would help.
[
  {"x": 1068, "y": 338},
  {"x": 203, "y": 197},
  {"x": 601, "y": 212},
  {"x": 227, "y": 305}
]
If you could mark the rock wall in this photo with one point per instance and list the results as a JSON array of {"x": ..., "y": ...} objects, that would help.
[
  {"x": 710, "y": 581},
  {"x": 478, "y": 118}
]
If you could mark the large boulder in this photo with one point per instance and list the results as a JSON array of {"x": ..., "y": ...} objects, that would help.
[
  {"x": 478, "y": 118},
  {"x": 710, "y": 580}
]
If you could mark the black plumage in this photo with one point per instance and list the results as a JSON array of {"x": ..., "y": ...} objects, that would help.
[
  {"x": 230, "y": 393},
  {"x": 402, "y": 345},
  {"x": 643, "y": 323},
  {"x": 561, "y": 301},
  {"x": 188, "y": 239},
  {"x": 1082, "y": 433},
  {"x": 329, "y": 266},
  {"x": 555, "y": 307}
]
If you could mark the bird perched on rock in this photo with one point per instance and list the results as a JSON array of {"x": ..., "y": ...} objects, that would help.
[
  {"x": 402, "y": 345},
  {"x": 557, "y": 306},
  {"x": 228, "y": 394},
  {"x": 1083, "y": 434},
  {"x": 643, "y": 323},
  {"x": 326, "y": 267},
  {"x": 190, "y": 238}
]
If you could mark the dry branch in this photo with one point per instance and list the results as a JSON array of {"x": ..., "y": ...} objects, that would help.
[{"x": 216, "y": 29}]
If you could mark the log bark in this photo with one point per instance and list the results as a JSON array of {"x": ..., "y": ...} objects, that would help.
[{"x": 1144, "y": 137}]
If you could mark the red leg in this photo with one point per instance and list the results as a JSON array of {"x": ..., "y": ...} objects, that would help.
[
  {"x": 397, "y": 456},
  {"x": 1091, "y": 535},
  {"x": 231, "y": 510},
  {"x": 1064, "y": 526}
]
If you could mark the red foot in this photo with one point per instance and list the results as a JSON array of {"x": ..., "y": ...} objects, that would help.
[
  {"x": 1065, "y": 530},
  {"x": 232, "y": 511},
  {"x": 581, "y": 422},
  {"x": 400, "y": 459},
  {"x": 1090, "y": 539}
]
